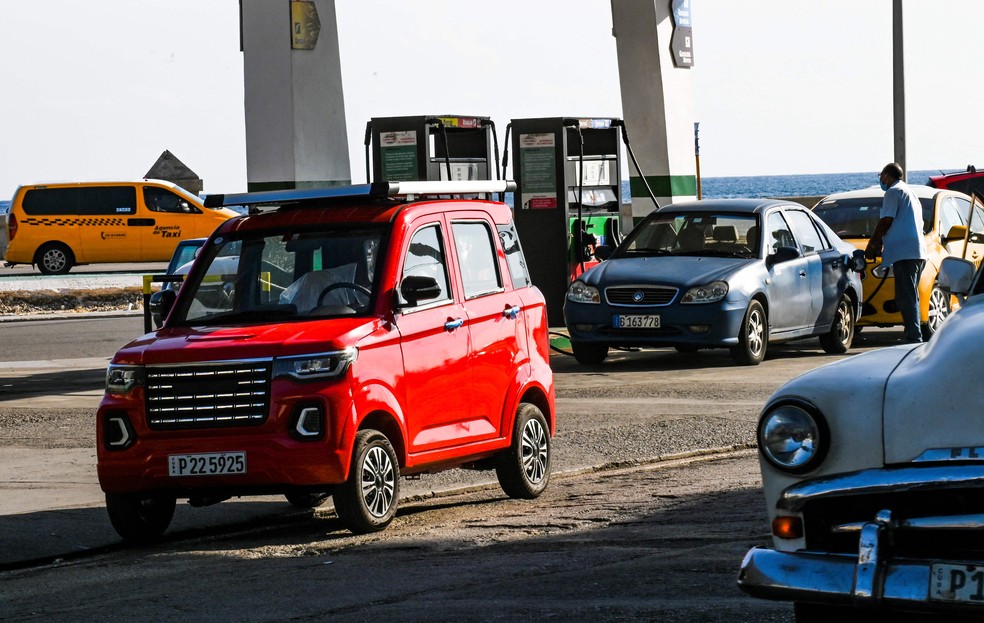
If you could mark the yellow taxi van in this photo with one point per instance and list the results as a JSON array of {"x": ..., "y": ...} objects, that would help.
[{"x": 58, "y": 226}]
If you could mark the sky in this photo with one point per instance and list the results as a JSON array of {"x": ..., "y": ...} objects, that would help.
[{"x": 98, "y": 90}]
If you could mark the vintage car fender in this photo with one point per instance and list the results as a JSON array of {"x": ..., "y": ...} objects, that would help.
[{"x": 934, "y": 381}]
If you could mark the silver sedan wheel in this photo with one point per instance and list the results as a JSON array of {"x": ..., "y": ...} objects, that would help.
[
  {"x": 842, "y": 323},
  {"x": 756, "y": 332},
  {"x": 753, "y": 336}
]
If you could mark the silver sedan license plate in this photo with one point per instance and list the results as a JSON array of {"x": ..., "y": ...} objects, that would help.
[
  {"x": 961, "y": 583},
  {"x": 636, "y": 321},
  {"x": 208, "y": 464}
]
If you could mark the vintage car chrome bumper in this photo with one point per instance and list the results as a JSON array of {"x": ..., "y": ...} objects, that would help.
[
  {"x": 870, "y": 579},
  {"x": 799, "y": 576},
  {"x": 881, "y": 481}
]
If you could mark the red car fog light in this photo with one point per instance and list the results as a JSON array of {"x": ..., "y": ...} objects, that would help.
[
  {"x": 308, "y": 423},
  {"x": 117, "y": 431},
  {"x": 787, "y": 527}
]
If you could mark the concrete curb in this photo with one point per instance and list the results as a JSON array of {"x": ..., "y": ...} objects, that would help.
[{"x": 67, "y": 315}]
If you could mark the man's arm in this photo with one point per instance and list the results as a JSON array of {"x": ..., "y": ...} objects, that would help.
[{"x": 874, "y": 247}]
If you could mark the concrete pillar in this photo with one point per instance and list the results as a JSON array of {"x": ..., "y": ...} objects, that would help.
[
  {"x": 657, "y": 101},
  {"x": 898, "y": 86},
  {"x": 295, "y": 112}
]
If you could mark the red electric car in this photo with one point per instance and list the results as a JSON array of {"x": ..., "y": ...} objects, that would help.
[{"x": 358, "y": 334}]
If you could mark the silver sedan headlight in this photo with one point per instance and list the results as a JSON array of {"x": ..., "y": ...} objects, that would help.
[
  {"x": 793, "y": 437},
  {"x": 580, "y": 292},
  {"x": 707, "y": 293}
]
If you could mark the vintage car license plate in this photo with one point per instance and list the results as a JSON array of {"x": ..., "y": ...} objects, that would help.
[
  {"x": 210, "y": 464},
  {"x": 635, "y": 321},
  {"x": 963, "y": 583}
]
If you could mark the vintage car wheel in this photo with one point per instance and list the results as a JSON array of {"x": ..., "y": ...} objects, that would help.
[
  {"x": 939, "y": 309},
  {"x": 54, "y": 258},
  {"x": 524, "y": 470},
  {"x": 841, "y": 334},
  {"x": 367, "y": 501},
  {"x": 588, "y": 353},
  {"x": 753, "y": 337},
  {"x": 140, "y": 518},
  {"x": 307, "y": 500}
]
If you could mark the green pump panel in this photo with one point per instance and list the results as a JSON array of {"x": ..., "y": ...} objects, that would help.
[
  {"x": 430, "y": 148},
  {"x": 568, "y": 198}
]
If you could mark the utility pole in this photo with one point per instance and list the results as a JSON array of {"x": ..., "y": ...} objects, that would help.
[{"x": 898, "y": 86}]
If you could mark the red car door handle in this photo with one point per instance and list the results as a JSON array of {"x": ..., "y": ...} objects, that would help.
[
  {"x": 453, "y": 324},
  {"x": 511, "y": 312}
]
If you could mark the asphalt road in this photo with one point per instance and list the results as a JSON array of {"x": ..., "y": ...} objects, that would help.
[{"x": 69, "y": 338}]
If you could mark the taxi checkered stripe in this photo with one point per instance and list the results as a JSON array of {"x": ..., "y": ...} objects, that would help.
[{"x": 75, "y": 222}]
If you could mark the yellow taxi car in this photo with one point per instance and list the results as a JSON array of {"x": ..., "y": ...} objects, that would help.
[
  {"x": 946, "y": 220},
  {"x": 58, "y": 226}
]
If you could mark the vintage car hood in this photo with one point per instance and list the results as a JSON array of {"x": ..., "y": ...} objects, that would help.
[
  {"x": 678, "y": 271},
  {"x": 933, "y": 401},
  {"x": 185, "y": 344}
]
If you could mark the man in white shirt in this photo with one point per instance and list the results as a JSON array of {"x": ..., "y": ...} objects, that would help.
[{"x": 900, "y": 232}]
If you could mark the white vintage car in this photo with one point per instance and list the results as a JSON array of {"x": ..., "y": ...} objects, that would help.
[{"x": 873, "y": 472}]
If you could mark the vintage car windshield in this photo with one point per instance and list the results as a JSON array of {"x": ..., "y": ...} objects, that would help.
[
  {"x": 694, "y": 234},
  {"x": 856, "y": 218},
  {"x": 259, "y": 277}
]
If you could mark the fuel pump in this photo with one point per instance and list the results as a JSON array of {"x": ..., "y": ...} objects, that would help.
[
  {"x": 431, "y": 148},
  {"x": 568, "y": 198}
]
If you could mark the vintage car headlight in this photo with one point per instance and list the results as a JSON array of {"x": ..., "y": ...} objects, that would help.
[
  {"x": 121, "y": 379},
  {"x": 793, "y": 436},
  {"x": 580, "y": 292},
  {"x": 882, "y": 270},
  {"x": 708, "y": 293},
  {"x": 316, "y": 366}
]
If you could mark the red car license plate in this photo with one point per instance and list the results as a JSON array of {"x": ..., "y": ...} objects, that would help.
[{"x": 208, "y": 464}]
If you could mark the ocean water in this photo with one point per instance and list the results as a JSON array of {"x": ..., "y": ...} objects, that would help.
[{"x": 814, "y": 185}]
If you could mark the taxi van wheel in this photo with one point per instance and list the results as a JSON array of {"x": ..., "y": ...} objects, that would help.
[
  {"x": 524, "y": 469},
  {"x": 367, "y": 501},
  {"x": 140, "y": 518},
  {"x": 841, "y": 334},
  {"x": 939, "y": 309},
  {"x": 54, "y": 258},
  {"x": 587, "y": 353},
  {"x": 753, "y": 337},
  {"x": 307, "y": 500}
]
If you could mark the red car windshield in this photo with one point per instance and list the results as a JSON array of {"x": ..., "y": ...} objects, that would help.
[{"x": 284, "y": 275}]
